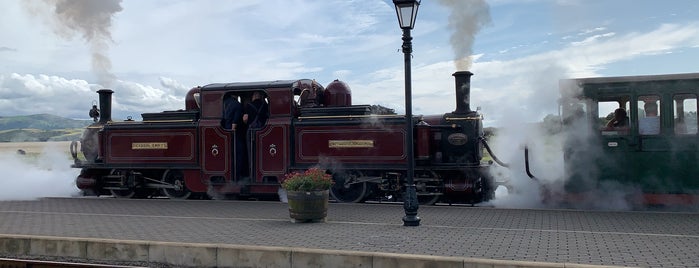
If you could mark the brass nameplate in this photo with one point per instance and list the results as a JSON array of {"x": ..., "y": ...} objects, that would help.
[
  {"x": 350, "y": 144},
  {"x": 148, "y": 145}
]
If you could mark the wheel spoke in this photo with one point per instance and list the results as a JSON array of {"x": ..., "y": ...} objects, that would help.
[
  {"x": 175, "y": 178},
  {"x": 126, "y": 193}
]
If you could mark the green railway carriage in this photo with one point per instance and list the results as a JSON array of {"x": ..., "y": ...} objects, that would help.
[{"x": 651, "y": 155}]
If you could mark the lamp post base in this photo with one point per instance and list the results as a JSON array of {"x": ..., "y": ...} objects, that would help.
[
  {"x": 410, "y": 205},
  {"x": 412, "y": 220}
]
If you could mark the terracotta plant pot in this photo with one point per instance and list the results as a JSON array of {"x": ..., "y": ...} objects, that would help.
[{"x": 308, "y": 206}]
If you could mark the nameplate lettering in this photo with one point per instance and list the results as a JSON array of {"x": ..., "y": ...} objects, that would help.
[
  {"x": 350, "y": 144},
  {"x": 148, "y": 145}
]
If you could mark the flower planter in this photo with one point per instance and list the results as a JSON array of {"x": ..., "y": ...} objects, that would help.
[{"x": 308, "y": 206}]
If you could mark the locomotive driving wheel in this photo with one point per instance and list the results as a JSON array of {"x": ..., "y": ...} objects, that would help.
[
  {"x": 175, "y": 178},
  {"x": 429, "y": 188},
  {"x": 129, "y": 192},
  {"x": 427, "y": 200},
  {"x": 348, "y": 188}
]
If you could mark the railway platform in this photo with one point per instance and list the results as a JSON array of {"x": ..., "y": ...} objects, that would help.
[{"x": 203, "y": 233}]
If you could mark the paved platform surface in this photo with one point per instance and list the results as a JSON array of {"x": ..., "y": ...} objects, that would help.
[{"x": 646, "y": 239}]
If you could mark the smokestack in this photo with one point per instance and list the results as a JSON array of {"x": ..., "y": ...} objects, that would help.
[
  {"x": 105, "y": 105},
  {"x": 463, "y": 92}
]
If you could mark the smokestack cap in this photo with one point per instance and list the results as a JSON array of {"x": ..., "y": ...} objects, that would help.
[{"x": 461, "y": 73}]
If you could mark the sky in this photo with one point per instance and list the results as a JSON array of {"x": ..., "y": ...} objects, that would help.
[{"x": 55, "y": 54}]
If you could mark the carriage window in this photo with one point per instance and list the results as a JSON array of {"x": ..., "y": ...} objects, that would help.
[
  {"x": 649, "y": 115},
  {"x": 685, "y": 113},
  {"x": 613, "y": 116}
]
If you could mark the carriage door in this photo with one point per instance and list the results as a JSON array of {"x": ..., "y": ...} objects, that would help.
[
  {"x": 652, "y": 163},
  {"x": 686, "y": 143},
  {"x": 614, "y": 119}
]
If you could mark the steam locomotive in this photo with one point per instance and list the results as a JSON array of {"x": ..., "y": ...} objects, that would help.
[{"x": 188, "y": 153}]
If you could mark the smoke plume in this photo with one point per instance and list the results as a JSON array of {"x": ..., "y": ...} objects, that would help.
[
  {"x": 465, "y": 20},
  {"x": 90, "y": 19}
]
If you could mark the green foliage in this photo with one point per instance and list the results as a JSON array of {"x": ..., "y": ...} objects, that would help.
[{"x": 314, "y": 179}]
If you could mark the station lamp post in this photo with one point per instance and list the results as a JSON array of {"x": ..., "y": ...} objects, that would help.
[{"x": 407, "y": 12}]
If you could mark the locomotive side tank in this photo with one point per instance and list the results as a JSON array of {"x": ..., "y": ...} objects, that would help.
[{"x": 187, "y": 153}]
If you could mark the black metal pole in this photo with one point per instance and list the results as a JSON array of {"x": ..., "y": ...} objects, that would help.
[{"x": 410, "y": 204}]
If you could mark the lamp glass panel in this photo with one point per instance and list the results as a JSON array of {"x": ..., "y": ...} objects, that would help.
[{"x": 405, "y": 16}]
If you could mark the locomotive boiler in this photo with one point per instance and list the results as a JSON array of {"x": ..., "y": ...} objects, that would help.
[{"x": 188, "y": 153}]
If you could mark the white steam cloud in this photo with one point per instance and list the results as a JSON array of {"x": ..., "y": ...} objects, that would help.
[
  {"x": 46, "y": 173},
  {"x": 547, "y": 143},
  {"x": 90, "y": 19}
]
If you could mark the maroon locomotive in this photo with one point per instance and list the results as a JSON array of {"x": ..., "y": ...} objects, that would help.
[{"x": 187, "y": 153}]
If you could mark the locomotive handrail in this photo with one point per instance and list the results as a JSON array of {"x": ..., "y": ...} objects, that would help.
[
  {"x": 464, "y": 118},
  {"x": 74, "y": 151},
  {"x": 349, "y": 116}
]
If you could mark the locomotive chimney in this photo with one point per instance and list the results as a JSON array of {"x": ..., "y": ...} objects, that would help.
[
  {"x": 463, "y": 91},
  {"x": 105, "y": 105}
]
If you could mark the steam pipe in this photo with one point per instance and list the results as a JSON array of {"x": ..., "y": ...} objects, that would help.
[
  {"x": 526, "y": 163},
  {"x": 526, "y": 158},
  {"x": 485, "y": 144},
  {"x": 105, "y": 96}
]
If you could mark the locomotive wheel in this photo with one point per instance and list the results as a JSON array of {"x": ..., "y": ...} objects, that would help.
[
  {"x": 346, "y": 189},
  {"x": 176, "y": 178},
  {"x": 128, "y": 193},
  {"x": 427, "y": 182}
]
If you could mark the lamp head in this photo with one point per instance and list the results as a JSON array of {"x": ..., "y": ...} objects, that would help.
[{"x": 407, "y": 12}]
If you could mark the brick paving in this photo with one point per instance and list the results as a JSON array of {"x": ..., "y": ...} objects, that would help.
[{"x": 646, "y": 239}]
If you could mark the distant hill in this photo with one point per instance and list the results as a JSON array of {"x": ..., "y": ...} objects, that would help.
[
  {"x": 40, "y": 127},
  {"x": 40, "y": 121}
]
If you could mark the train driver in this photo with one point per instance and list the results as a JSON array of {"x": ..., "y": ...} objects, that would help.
[
  {"x": 232, "y": 119},
  {"x": 256, "y": 111}
]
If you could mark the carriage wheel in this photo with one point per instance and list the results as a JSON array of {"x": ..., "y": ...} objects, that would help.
[
  {"x": 346, "y": 189},
  {"x": 127, "y": 193},
  {"x": 176, "y": 178}
]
